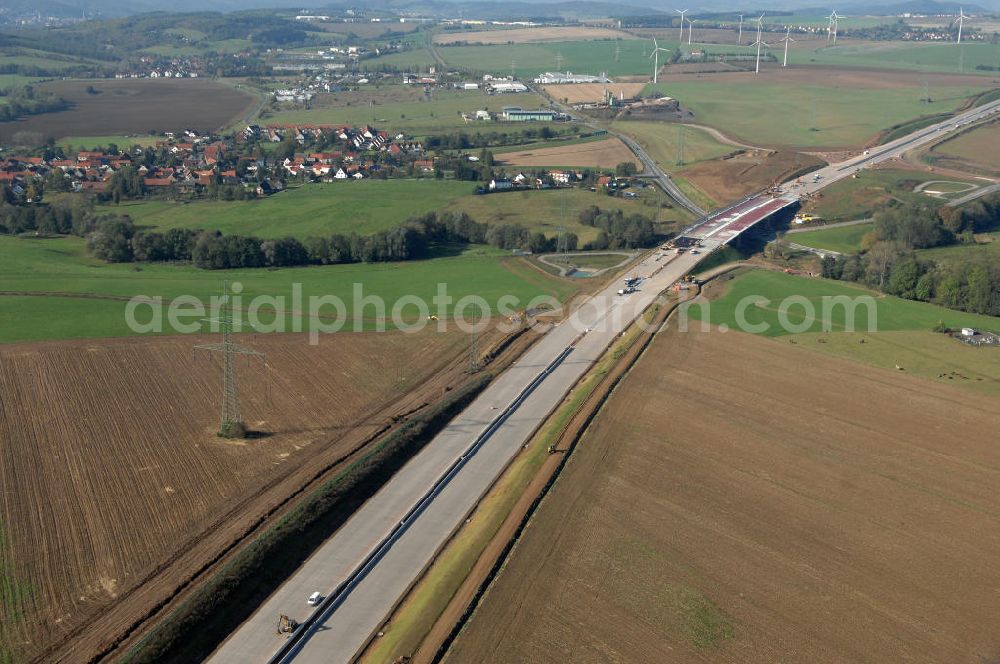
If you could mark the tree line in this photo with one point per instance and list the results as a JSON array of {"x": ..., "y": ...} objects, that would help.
[
  {"x": 19, "y": 102},
  {"x": 889, "y": 262},
  {"x": 116, "y": 239}
]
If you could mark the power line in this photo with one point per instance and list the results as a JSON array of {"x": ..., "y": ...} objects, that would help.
[{"x": 231, "y": 424}]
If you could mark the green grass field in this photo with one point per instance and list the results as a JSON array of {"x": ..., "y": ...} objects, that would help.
[
  {"x": 928, "y": 355},
  {"x": 987, "y": 252},
  {"x": 663, "y": 142},
  {"x": 373, "y": 205},
  {"x": 891, "y": 313},
  {"x": 15, "y": 80},
  {"x": 549, "y": 210},
  {"x": 845, "y": 240},
  {"x": 929, "y": 57},
  {"x": 857, "y": 198},
  {"x": 416, "y": 117},
  {"x": 582, "y": 57},
  {"x": 904, "y": 340},
  {"x": 62, "y": 266},
  {"x": 417, "y": 57},
  {"x": 362, "y": 207},
  {"x": 199, "y": 47},
  {"x": 807, "y": 116},
  {"x": 41, "y": 62}
]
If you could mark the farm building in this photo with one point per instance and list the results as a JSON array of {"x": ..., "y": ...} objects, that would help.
[
  {"x": 558, "y": 77},
  {"x": 518, "y": 114}
]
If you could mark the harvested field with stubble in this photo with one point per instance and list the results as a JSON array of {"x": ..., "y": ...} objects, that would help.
[
  {"x": 606, "y": 153},
  {"x": 529, "y": 35},
  {"x": 741, "y": 499},
  {"x": 586, "y": 93},
  {"x": 116, "y": 488},
  {"x": 133, "y": 106}
]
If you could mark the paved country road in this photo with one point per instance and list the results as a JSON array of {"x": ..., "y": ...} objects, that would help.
[{"x": 376, "y": 556}]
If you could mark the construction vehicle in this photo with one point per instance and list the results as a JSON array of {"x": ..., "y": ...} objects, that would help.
[{"x": 286, "y": 625}]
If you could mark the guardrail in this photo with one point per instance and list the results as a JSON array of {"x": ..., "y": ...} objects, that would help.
[{"x": 332, "y": 601}]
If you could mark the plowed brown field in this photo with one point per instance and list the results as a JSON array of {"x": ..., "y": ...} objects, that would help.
[
  {"x": 729, "y": 179},
  {"x": 606, "y": 153},
  {"x": 110, "y": 469},
  {"x": 591, "y": 93},
  {"x": 740, "y": 499}
]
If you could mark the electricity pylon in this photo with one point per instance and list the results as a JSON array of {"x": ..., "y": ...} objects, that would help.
[{"x": 231, "y": 425}]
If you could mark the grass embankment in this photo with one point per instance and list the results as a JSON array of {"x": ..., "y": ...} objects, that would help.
[
  {"x": 696, "y": 195},
  {"x": 857, "y": 198},
  {"x": 903, "y": 338},
  {"x": 193, "y": 630},
  {"x": 843, "y": 239},
  {"x": 671, "y": 145},
  {"x": 68, "y": 294},
  {"x": 976, "y": 150},
  {"x": 429, "y": 598}
]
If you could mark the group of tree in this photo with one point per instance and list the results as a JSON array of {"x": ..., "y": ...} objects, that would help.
[
  {"x": 618, "y": 231},
  {"x": 27, "y": 100},
  {"x": 889, "y": 260},
  {"x": 463, "y": 141},
  {"x": 77, "y": 218}
]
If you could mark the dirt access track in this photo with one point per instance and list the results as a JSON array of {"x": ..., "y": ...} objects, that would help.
[
  {"x": 743, "y": 499},
  {"x": 606, "y": 153},
  {"x": 529, "y": 35},
  {"x": 117, "y": 491}
]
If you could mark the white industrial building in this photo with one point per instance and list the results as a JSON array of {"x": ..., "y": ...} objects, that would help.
[
  {"x": 557, "y": 77},
  {"x": 499, "y": 86}
]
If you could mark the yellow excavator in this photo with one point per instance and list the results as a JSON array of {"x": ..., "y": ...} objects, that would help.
[{"x": 286, "y": 625}]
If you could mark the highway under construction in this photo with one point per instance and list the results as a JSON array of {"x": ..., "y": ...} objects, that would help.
[{"x": 373, "y": 560}]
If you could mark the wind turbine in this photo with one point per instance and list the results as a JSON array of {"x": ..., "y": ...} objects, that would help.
[
  {"x": 656, "y": 58},
  {"x": 682, "y": 23},
  {"x": 690, "y": 30},
  {"x": 960, "y": 20},
  {"x": 760, "y": 41},
  {"x": 788, "y": 38},
  {"x": 739, "y": 39}
]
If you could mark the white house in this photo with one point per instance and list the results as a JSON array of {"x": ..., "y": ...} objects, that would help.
[{"x": 500, "y": 184}]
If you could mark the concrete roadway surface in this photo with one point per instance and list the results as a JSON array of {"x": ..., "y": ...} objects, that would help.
[{"x": 343, "y": 629}]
